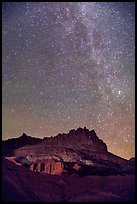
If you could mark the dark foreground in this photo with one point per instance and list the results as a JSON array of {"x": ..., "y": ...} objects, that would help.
[{"x": 21, "y": 184}]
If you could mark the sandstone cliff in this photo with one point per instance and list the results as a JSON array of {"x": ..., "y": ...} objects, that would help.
[{"x": 79, "y": 151}]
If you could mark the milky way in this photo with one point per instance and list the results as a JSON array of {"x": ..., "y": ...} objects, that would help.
[{"x": 68, "y": 65}]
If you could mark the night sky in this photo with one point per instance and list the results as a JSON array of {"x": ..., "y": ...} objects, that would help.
[{"x": 67, "y": 65}]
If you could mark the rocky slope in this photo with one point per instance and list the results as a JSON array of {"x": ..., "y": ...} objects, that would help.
[
  {"x": 8, "y": 146},
  {"x": 80, "y": 138},
  {"x": 21, "y": 185},
  {"x": 73, "y": 167},
  {"x": 80, "y": 152}
]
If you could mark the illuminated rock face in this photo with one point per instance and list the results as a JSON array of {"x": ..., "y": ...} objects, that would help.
[
  {"x": 79, "y": 150},
  {"x": 76, "y": 167},
  {"x": 48, "y": 166},
  {"x": 22, "y": 185}
]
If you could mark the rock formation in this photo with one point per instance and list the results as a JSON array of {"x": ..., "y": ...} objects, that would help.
[
  {"x": 22, "y": 185},
  {"x": 78, "y": 151},
  {"x": 80, "y": 166},
  {"x": 48, "y": 166},
  {"x": 80, "y": 138},
  {"x": 8, "y": 146}
]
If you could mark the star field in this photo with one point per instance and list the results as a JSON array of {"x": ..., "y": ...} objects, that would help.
[{"x": 68, "y": 65}]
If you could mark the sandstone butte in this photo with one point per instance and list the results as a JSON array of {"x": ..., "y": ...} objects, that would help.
[{"x": 67, "y": 152}]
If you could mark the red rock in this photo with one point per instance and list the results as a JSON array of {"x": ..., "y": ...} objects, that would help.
[
  {"x": 77, "y": 167},
  {"x": 53, "y": 167},
  {"x": 21, "y": 185},
  {"x": 50, "y": 167},
  {"x": 38, "y": 168},
  {"x": 32, "y": 167}
]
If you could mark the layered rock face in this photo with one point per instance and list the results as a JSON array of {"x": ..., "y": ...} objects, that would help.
[
  {"x": 78, "y": 151},
  {"x": 48, "y": 166},
  {"x": 80, "y": 167},
  {"x": 21, "y": 185}
]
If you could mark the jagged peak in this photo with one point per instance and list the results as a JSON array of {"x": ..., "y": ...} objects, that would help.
[
  {"x": 24, "y": 135},
  {"x": 77, "y": 137}
]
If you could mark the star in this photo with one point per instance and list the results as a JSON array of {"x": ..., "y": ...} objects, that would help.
[
  {"x": 119, "y": 92},
  {"x": 69, "y": 65}
]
